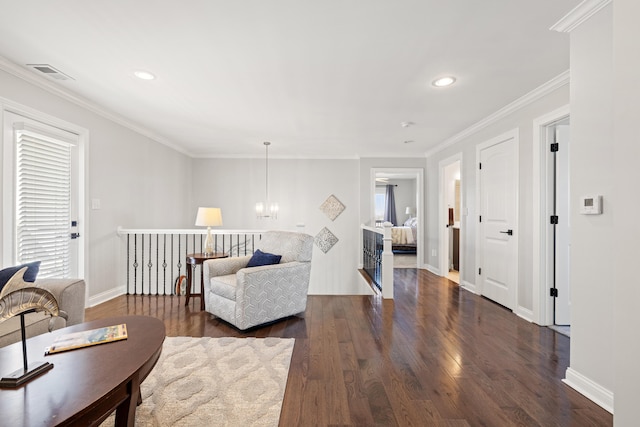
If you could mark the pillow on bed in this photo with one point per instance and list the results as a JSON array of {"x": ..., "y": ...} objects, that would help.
[{"x": 411, "y": 222}]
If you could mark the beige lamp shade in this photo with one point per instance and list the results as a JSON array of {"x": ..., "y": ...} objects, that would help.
[{"x": 209, "y": 217}]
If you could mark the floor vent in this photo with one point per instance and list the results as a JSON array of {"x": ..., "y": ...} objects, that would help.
[{"x": 50, "y": 71}]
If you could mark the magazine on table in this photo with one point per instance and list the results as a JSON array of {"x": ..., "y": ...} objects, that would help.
[{"x": 88, "y": 338}]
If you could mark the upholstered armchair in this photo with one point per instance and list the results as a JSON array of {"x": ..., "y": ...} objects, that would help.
[{"x": 249, "y": 296}]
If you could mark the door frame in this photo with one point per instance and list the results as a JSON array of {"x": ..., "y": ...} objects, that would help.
[
  {"x": 542, "y": 271},
  {"x": 406, "y": 173},
  {"x": 515, "y": 135},
  {"x": 443, "y": 247},
  {"x": 6, "y": 198}
]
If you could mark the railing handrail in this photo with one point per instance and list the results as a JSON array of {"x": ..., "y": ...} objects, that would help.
[
  {"x": 124, "y": 231},
  {"x": 372, "y": 229},
  {"x": 379, "y": 230}
]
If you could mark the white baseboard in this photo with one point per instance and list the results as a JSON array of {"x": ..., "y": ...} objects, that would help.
[
  {"x": 106, "y": 296},
  {"x": 469, "y": 287},
  {"x": 432, "y": 269},
  {"x": 589, "y": 389},
  {"x": 524, "y": 313}
]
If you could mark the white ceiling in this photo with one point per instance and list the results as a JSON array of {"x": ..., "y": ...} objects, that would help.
[{"x": 324, "y": 78}]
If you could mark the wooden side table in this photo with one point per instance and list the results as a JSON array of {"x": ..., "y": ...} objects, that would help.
[{"x": 194, "y": 260}]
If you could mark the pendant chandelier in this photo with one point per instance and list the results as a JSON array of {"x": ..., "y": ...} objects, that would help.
[{"x": 266, "y": 209}]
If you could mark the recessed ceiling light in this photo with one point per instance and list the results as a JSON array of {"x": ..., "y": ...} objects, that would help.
[
  {"x": 444, "y": 81},
  {"x": 144, "y": 75}
]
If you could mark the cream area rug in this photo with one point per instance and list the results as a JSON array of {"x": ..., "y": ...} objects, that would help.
[{"x": 215, "y": 382}]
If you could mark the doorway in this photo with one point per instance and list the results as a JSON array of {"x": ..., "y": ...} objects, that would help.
[
  {"x": 450, "y": 214},
  {"x": 552, "y": 245},
  {"x": 408, "y": 193},
  {"x": 560, "y": 250},
  {"x": 43, "y": 194}
]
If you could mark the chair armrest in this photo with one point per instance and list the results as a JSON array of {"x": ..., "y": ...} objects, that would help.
[
  {"x": 70, "y": 294},
  {"x": 293, "y": 277},
  {"x": 223, "y": 266}
]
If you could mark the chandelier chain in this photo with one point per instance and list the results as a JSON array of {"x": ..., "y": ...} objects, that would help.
[{"x": 266, "y": 170}]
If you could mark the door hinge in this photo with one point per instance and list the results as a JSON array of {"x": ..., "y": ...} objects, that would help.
[
  {"x": 479, "y": 165},
  {"x": 553, "y": 292},
  {"x": 480, "y": 218},
  {"x": 555, "y": 147},
  {"x": 554, "y": 219},
  {"x": 75, "y": 235},
  {"x": 480, "y": 271}
]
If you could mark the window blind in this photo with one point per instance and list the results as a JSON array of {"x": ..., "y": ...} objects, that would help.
[{"x": 43, "y": 203}]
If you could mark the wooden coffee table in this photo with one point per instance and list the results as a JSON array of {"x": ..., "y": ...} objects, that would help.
[{"x": 87, "y": 384}]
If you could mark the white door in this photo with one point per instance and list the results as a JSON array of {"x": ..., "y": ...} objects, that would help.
[
  {"x": 562, "y": 243},
  {"x": 498, "y": 258},
  {"x": 43, "y": 223}
]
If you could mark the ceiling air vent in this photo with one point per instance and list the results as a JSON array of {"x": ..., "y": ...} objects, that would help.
[{"x": 50, "y": 71}]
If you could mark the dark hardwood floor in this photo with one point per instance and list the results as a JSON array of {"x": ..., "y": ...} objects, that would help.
[{"x": 435, "y": 355}]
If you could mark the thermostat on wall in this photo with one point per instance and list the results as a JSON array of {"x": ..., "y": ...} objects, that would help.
[{"x": 591, "y": 205}]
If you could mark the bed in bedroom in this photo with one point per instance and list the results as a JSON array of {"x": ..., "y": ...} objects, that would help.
[{"x": 404, "y": 238}]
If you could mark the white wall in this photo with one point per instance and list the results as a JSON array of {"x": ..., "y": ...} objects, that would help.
[
  {"x": 592, "y": 236},
  {"x": 300, "y": 186},
  {"x": 143, "y": 184},
  {"x": 626, "y": 140},
  {"x": 139, "y": 182},
  {"x": 605, "y": 106},
  {"x": 523, "y": 120}
]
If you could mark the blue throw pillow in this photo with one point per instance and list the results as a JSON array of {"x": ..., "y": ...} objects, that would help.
[
  {"x": 29, "y": 275},
  {"x": 263, "y": 258}
]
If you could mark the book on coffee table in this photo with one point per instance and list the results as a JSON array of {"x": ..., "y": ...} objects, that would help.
[{"x": 87, "y": 338}]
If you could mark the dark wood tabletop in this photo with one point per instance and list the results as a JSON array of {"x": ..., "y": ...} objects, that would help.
[{"x": 87, "y": 384}]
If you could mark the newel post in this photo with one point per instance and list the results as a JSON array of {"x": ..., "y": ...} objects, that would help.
[{"x": 387, "y": 262}]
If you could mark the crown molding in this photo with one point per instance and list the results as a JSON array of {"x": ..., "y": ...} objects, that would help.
[
  {"x": 578, "y": 15},
  {"x": 271, "y": 157},
  {"x": 541, "y": 91},
  {"x": 41, "y": 82}
]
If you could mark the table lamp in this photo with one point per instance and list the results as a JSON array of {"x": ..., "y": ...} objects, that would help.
[
  {"x": 409, "y": 211},
  {"x": 208, "y": 217}
]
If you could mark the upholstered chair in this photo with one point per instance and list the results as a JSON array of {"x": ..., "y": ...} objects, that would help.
[{"x": 250, "y": 296}]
